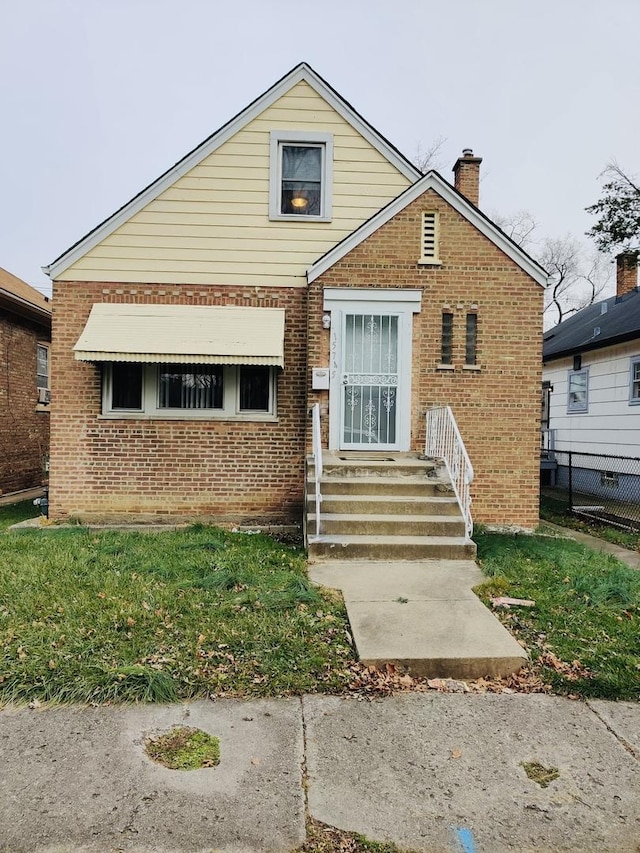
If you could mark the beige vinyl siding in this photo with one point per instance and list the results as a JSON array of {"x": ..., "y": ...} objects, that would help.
[{"x": 212, "y": 226}]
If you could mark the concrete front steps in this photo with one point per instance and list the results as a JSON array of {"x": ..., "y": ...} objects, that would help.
[{"x": 384, "y": 506}]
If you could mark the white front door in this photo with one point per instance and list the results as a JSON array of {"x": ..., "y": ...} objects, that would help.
[
  {"x": 370, "y": 367},
  {"x": 371, "y": 361}
]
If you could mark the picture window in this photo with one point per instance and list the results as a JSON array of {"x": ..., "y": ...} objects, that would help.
[{"x": 189, "y": 390}]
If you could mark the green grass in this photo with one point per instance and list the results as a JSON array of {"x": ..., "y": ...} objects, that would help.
[
  {"x": 584, "y": 631},
  {"x": 557, "y": 512},
  {"x": 184, "y": 748},
  {"x": 123, "y": 616},
  {"x": 13, "y": 513}
]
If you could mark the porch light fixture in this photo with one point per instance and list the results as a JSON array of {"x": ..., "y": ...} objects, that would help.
[{"x": 326, "y": 321}]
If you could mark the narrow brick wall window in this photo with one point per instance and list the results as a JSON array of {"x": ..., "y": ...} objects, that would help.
[
  {"x": 447, "y": 338},
  {"x": 429, "y": 239},
  {"x": 471, "y": 345}
]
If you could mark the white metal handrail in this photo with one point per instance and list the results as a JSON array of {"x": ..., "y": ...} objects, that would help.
[
  {"x": 317, "y": 460},
  {"x": 444, "y": 442}
]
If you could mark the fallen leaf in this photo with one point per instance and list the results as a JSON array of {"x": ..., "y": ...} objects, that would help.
[
  {"x": 255, "y": 761},
  {"x": 456, "y": 753}
]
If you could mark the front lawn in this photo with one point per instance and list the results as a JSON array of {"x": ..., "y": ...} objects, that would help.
[
  {"x": 116, "y": 616},
  {"x": 583, "y": 633}
]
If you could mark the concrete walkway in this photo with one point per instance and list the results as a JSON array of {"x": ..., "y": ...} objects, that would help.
[
  {"x": 422, "y": 616},
  {"x": 431, "y": 772},
  {"x": 631, "y": 558}
]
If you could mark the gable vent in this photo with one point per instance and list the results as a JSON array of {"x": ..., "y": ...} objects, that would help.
[{"x": 429, "y": 243}]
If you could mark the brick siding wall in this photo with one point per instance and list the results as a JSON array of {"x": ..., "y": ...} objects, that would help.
[
  {"x": 111, "y": 469},
  {"x": 497, "y": 406},
  {"x": 24, "y": 427}
]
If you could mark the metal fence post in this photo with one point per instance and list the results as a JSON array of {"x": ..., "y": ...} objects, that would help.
[{"x": 570, "y": 482}]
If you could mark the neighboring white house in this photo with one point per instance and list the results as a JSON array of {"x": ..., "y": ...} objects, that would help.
[{"x": 591, "y": 392}]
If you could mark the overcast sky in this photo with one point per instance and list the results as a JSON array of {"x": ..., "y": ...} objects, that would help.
[{"x": 98, "y": 97}]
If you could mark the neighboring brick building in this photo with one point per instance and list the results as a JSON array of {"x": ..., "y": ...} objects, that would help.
[
  {"x": 186, "y": 329},
  {"x": 25, "y": 337}
]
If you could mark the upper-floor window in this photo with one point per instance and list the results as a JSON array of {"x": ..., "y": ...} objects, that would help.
[
  {"x": 578, "y": 398},
  {"x": 634, "y": 381},
  {"x": 42, "y": 366},
  {"x": 301, "y": 174}
]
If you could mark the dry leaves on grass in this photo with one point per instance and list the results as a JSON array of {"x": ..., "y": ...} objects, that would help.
[
  {"x": 368, "y": 681},
  {"x": 571, "y": 671}
]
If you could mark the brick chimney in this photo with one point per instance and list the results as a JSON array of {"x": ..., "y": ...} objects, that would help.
[
  {"x": 626, "y": 271},
  {"x": 467, "y": 175}
]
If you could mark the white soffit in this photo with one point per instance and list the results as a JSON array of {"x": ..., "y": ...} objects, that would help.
[
  {"x": 301, "y": 72},
  {"x": 431, "y": 181},
  {"x": 183, "y": 334}
]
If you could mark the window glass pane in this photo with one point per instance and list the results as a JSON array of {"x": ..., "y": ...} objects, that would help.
[
  {"x": 301, "y": 163},
  {"x": 635, "y": 382},
  {"x": 254, "y": 389},
  {"x": 190, "y": 386},
  {"x": 42, "y": 369},
  {"x": 126, "y": 386},
  {"x": 472, "y": 339},
  {"x": 578, "y": 391},
  {"x": 447, "y": 338},
  {"x": 301, "y": 180}
]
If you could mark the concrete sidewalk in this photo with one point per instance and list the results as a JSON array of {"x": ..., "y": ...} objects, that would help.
[{"x": 431, "y": 772}]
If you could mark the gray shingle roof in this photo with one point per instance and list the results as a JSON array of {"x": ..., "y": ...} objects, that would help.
[{"x": 602, "y": 324}]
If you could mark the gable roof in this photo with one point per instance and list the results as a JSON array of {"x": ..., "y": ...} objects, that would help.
[
  {"x": 20, "y": 297},
  {"x": 301, "y": 72},
  {"x": 432, "y": 181},
  {"x": 610, "y": 321}
]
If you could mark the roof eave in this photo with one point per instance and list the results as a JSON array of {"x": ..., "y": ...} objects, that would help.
[{"x": 599, "y": 343}]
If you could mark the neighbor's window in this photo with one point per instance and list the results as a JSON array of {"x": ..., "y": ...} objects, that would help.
[
  {"x": 578, "y": 390},
  {"x": 446, "y": 348},
  {"x": 42, "y": 366},
  {"x": 634, "y": 388},
  {"x": 471, "y": 343},
  {"x": 300, "y": 175},
  {"x": 188, "y": 390}
]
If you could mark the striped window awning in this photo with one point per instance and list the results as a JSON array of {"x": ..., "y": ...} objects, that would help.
[{"x": 183, "y": 334}]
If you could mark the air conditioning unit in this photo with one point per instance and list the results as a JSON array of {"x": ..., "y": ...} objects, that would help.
[{"x": 44, "y": 395}]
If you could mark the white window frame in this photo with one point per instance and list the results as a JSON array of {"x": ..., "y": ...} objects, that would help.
[
  {"x": 633, "y": 401},
  {"x": 578, "y": 408},
  {"x": 150, "y": 410},
  {"x": 324, "y": 141},
  {"x": 44, "y": 346}
]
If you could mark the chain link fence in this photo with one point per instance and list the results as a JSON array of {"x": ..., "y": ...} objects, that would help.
[{"x": 598, "y": 486}]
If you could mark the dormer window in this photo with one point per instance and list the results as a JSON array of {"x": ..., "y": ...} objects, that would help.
[{"x": 301, "y": 176}]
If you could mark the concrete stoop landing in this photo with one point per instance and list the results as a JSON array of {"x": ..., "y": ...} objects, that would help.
[
  {"x": 421, "y": 616},
  {"x": 382, "y": 506}
]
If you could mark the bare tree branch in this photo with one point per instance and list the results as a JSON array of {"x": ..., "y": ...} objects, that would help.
[{"x": 431, "y": 156}]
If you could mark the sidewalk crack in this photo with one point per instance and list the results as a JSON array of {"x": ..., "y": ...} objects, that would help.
[{"x": 625, "y": 744}]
